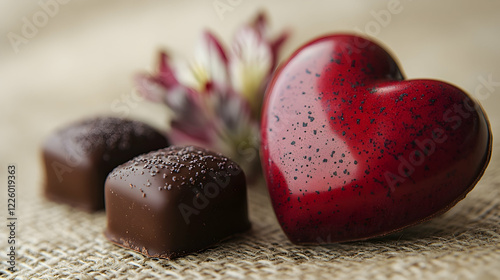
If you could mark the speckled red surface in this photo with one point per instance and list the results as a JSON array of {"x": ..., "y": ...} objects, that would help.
[{"x": 351, "y": 150}]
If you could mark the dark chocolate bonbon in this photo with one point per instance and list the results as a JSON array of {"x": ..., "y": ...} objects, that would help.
[
  {"x": 78, "y": 157},
  {"x": 174, "y": 201}
]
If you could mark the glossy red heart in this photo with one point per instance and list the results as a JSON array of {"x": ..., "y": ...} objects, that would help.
[{"x": 351, "y": 150}]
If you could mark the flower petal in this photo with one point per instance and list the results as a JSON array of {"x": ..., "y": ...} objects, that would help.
[
  {"x": 149, "y": 88},
  {"x": 190, "y": 115},
  {"x": 233, "y": 110},
  {"x": 166, "y": 73},
  {"x": 250, "y": 65},
  {"x": 260, "y": 25},
  {"x": 210, "y": 65},
  {"x": 180, "y": 134},
  {"x": 155, "y": 87},
  {"x": 276, "y": 45},
  {"x": 216, "y": 99}
]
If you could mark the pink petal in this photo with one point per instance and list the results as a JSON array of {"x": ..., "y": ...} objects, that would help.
[
  {"x": 149, "y": 88},
  {"x": 260, "y": 24},
  {"x": 182, "y": 135},
  {"x": 276, "y": 45},
  {"x": 234, "y": 111},
  {"x": 166, "y": 73},
  {"x": 212, "y": 57},
  {"x": 189, "y": 111},
  {"x": 250, "y": 64},
  {"x": 212, "y": 44}
]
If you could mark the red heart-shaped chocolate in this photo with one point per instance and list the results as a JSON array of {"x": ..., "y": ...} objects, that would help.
[{"x": 351, "y": 150}]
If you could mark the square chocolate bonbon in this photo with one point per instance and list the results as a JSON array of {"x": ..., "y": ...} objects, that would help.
[
  {"x": 175, "y": 201},
  {"x": 78, "y": 157}
]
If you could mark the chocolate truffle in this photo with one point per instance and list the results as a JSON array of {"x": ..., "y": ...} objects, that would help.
[
  {"x": 77, "y": 158},
  {"x": 175, "y": 201}
]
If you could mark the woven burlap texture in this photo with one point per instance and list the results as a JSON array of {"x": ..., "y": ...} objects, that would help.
[{"x": 57, "y": 242}]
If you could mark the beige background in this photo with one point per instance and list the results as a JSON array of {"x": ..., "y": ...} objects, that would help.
[{"x": 82, "y": 61}]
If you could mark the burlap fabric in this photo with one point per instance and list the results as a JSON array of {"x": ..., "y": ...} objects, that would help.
[
  {"x": 58, "y": 242},
  {"x": 80, "y": 64}
]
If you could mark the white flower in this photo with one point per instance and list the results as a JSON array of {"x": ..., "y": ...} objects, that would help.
[{"x": 216, "y": 99}]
